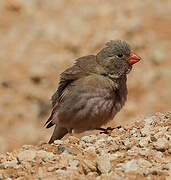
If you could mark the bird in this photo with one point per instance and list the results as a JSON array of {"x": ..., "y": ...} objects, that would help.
[{"x": 92, "y": 90}]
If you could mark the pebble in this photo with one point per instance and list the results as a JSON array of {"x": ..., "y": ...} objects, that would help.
[
  {"x": 61, "y": 149},
  {"x": 134, "y": 165},
  {"x": 149, "y": 121},
  {"x": 161, "y": 144},
  {"x": 40, "y": 173},
  {"x": 88, "y": 166},
  {"x": 152, "y": 138},
  {"x": 1, "y": 176},
  {"x": 145, "y": 131},
  {"x": 103, "y": 164},
  {"x": 143, "y": 142},
  {"x": 73, "y": 163},
  {"x": 89, "y": 139},
  {"x": 116, "y": 156},
  {"x": 13, "y": 164},
  {"x": 50, "y": 169},
  {"x": 27, "y": 155},
  {"x": 45, "y": 155},
  {"x": 58, "y": 142},
  {"x": 61, "y": 172},
  {"x": 169, "y": 151}
]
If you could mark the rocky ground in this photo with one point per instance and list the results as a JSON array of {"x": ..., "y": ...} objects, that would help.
[
  {"x": 141, "y": 150},
  {"x": 39, "y": 39}
]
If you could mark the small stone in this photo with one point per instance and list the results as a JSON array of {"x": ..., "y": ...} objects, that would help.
[
  {"x": 161, "y": 144},
  {"x": 116, "y": 156},
  {"x": 104, "y": 164},
  {"x": 89, "y": 139},
  {"x": 61, "y": 149},
  {"x": 1, "y": 176},
  {"x": 169, "y": 151},
  {"x": 73, "y": 163},
  {"x": 40, "y": 173},
  {"x": 148, "y": 121},
  {"x": 129, "y": 166},
  {"x": 153, "y": 139},
  {"x": 90, "y": 148},
  {"x": 58, "y": 142},
  {"x": 143, "y": 142},
  {"x": 45, "y": 155},
  {"x": 134, "y": 165},
  {"x": 13, "y": 164},
  {"x": 109, "y": 139},
  {"x": 27, "y": 155},
  {"x": 145, "y": 131},
  {"x": 73, "y": 139},
  {"x": 88, "y": 166},
  {"x": 50, "y": 169},
  {"x": 62, "y": 173}
]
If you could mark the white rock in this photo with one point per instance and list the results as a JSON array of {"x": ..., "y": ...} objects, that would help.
[
  {"x": 161, "y": 144},
  {"x": 89, "y": 139},
  {"x": 73, "y": 163},
  {"x": 50, "y": 169},
  {"x": 27, "y": 155},
  {"x": 103, "y": 164},
  {"x": 134, "y": 165},
  {"x": 116, "y": 155},
  {"x": 13, "y": 164},
  {"x": 58, "y": 142},
  {"x": 62, "y": 173},
  {"x": 143, "y": 142},
  {"x": 148, "y": 121},
  {"x": 45, "y": 155},
  {"x": 40, "y": 173}
]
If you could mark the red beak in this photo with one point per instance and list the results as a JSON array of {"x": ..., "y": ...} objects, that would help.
[{"x": 134, "y": 58}]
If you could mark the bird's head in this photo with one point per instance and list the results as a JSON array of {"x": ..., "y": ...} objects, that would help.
[{"x": 117, "y": 58}]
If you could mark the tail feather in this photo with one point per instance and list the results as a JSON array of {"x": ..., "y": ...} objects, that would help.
[{"x": 58, "y": 133}]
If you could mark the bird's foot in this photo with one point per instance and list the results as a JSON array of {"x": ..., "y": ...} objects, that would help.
[{"x": 108, "y": 130}]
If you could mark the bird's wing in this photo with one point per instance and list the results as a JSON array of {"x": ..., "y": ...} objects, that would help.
[{"x": 78, "y": 70}]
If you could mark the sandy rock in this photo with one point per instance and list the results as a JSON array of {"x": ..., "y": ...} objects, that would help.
[
  {"x": 162, "y": 144},
  {"x": 64, "y": 173},
  {"x": 40, "y": 173},
  {"x": 143, "y": 142},
  {"x": 88, "y": 166},
  {"x": 116, "y": 156},
  {"x": 1, "y": 177},
  {"x": 50, "y": 169},
  {"x": 103, "y": 164},
  {"x": 73, "y": 163},
  {"x": 27, "y": 155},
  {"x": 45, "y": 155},
  {"x": 134, "y": 165},
  {"x": 89, "y": 139},
  {"x": 58, "y": 142},
  {"x": 14, "y": 164}
]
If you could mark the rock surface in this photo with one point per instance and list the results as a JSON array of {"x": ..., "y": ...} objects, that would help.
[{"x": 126, "y": 153}]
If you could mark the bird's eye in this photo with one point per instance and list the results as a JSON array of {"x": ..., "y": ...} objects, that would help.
[{"x": 120, "y": 55}]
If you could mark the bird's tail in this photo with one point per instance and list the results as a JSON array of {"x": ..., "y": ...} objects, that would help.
[{"x": 58, "y": 133}]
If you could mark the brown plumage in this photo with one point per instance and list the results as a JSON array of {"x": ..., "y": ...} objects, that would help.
[{"x": 92, "y": 91}]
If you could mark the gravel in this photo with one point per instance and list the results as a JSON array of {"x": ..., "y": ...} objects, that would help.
[{"x": 119, "y": 155}]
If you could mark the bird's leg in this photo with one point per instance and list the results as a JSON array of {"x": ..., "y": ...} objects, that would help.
[
  {"x": 108, "y": 130},
  {"x": 70, "y": 132}
]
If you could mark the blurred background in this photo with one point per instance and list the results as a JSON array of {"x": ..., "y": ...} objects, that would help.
[{"x": 40, "y": 38}]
